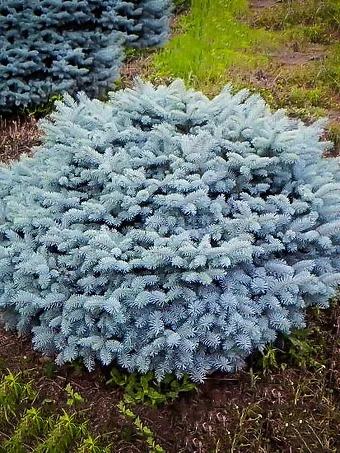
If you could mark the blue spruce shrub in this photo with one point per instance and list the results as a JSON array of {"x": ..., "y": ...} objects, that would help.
[
  {"x": 167, "y": 231},
  {"x": 145, "y": 22},
  {"x": 55, "y": 46}
]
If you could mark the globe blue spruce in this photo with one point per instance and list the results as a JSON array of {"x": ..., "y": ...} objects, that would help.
[
  {"x": 166, "y": 231},
  {"x": 53, "y": 46},
  {"x": 144, "y": 22}
]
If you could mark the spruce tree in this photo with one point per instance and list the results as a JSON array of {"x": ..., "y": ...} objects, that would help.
[
  {"x": 56, "y": 46},
  {"x": 166, "y": 231}
]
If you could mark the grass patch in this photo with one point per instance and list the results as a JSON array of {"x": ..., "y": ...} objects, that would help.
[
  {"x": 308, "y": 90},
  {"x": 216, "y": 43},
  {"x": 334, "y": 135},
  {"x": 212, "y": 40},
  {"x": 321, "y": 15}
]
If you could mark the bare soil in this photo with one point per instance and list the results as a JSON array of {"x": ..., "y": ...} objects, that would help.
[
  {"x": 297, "y": 58},
  {"x": 259, "y": 4}
]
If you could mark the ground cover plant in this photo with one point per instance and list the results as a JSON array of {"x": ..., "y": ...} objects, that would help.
[
  {"x": 30, "y": 426},
  {"x": 51, "y": 46}
]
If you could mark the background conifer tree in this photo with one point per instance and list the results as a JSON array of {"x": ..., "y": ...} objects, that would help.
[{"x": 56, "y": 46}]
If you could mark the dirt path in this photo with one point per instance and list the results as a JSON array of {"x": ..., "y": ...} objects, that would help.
[{"x": 258, "y": 4}]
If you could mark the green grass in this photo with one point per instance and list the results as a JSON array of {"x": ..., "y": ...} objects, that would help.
[
  {"x": 217, "y": 43},
  {"x": 307, "y": 91},
  {"x": 27, "y": 423},
  {"x": 321, "y": 14},
  {"x": 212, "y": 40}
]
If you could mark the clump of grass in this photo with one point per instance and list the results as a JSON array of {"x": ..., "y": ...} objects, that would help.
[
  {"x": 212, "y": 41},
  {"x": 14, "y": 391},
  {"x": 324, "y": 14},
  {"x": 31, "y": 425},
  {"x": 334, "y": 136},
  {"x": 299, "y": 36},
  {"x": 329, "y": 73}
]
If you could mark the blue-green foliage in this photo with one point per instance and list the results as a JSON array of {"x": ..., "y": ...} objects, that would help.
[
  {"x": 146, "y": 22},
  {"x": 167, "y": 231},
  {"x": 56, "y": 46}
]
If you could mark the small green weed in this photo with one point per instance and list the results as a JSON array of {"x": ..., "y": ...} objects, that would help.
[
  {"x": 73, "y": 397},
  {"x": 249, "y": 430},
  {"x": 253, "y": 378},
  {"x": 301, "y": 348},
  {"x": 32, "y": 425},
  {"x": 65, "y": 432},
  {"x": 92, "y": 445},
  {"x": 43, "y": 109},
  {"x": 144, "y": 389},
  {"x": 76, "y": 366},
  {"x": 268, "y": 360},
  {"x": 14, "y": 391},
  {"x": 144, "y": 431},
  {"x": 50, "y": 369}
]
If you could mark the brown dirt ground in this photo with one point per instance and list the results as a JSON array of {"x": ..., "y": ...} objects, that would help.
[
  {"x": 259, "y": 4},
  {"x": 295, "y": 409},
  {"x": 18, "y": 135}
]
